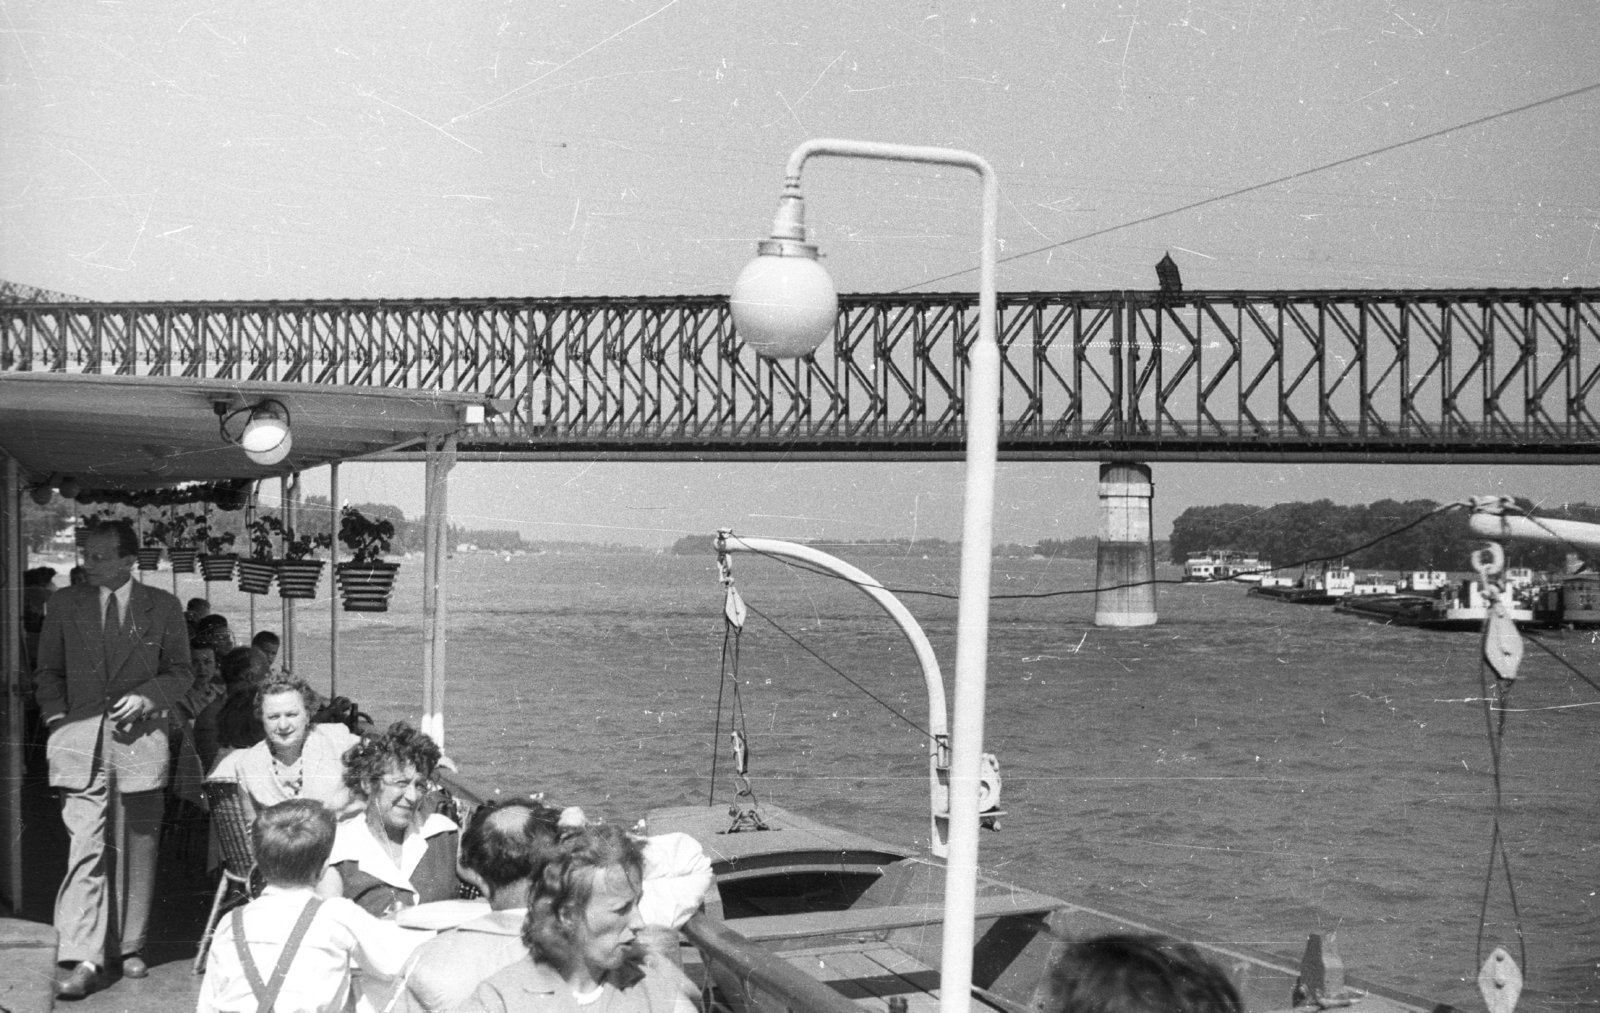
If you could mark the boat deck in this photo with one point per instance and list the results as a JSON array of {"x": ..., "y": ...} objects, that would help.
[
  {"x": 183, "y": 898},
  {"x": 870, "y": 974}
]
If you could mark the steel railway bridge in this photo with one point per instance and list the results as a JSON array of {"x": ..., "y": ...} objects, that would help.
[{"x": 1373, "y": 376}]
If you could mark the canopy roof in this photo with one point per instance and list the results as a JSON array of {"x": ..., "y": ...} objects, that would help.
[{"x": 132, "y": 432}]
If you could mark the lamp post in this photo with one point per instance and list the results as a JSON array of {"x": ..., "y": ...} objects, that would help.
[{"x": 784, "y": 306}]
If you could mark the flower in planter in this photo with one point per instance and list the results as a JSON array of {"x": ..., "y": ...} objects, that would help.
[
  {"x": 302, "y": 546},
  {"x": 366, "y": 538},
  {"x": 261, "y": 531},
  {"x": 155, "y": 536},
  {"x": 183, "y": 530},
  {"x": 214, "y": 544}
]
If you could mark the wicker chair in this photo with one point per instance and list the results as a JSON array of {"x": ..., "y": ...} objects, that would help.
[{"x": 231, "y": 820}]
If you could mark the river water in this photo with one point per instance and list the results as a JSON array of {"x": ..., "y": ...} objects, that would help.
[{"x": 1252, "y": 770}]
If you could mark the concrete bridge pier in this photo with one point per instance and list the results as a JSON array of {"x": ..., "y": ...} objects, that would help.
[{"x": 1126, "y": 552}]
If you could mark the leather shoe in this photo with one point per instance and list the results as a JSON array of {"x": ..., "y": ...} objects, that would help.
[
  {"x": 82, "y": 980},
  {"x": 133, "y": 966}
]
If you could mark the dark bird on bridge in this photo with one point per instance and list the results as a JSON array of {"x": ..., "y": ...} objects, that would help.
[{"x": 1167, "y": 274}]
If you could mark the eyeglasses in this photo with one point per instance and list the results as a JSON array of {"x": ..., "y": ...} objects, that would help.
[{"x": 422, "y": 784}]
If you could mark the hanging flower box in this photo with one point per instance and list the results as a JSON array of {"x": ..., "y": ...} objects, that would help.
[
  {"x": 256, "y": 575},
  {"x": 150, "y": 557},
  {"x": 218, "y": 566},
  {"x": 297, "y": 578},
  {"x": 80, "y": 534},
  {"x": 182, "y": 559},
  {"x": 365, "y": 587}
]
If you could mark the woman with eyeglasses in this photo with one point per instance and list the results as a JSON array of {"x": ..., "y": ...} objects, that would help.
[{"x": 394, "y": 853}]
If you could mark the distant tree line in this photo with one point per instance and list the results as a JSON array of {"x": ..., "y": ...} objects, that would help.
[
  {"x": 696, "y": 545},
  {"x": 1071, "y": 548},
  {"x": 1288, "y": 532}
]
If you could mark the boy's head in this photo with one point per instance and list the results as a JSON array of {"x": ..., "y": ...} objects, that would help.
[
  {"x": 1136, "y": 974},
  {"x": 266, "y": 644},
  {"x": 293, "y": 840}
]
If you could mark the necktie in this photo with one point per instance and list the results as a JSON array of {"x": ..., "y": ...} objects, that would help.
[{"x": 113, "y": 618}]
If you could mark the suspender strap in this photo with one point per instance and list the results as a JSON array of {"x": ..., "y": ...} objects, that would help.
[{"x": 267, "y": 994}]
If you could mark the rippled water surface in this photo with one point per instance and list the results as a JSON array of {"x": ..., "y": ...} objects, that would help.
[{"x": 1253, "y": 770}]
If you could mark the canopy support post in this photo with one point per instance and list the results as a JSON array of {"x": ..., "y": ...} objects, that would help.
[
  {"x": 333, "y": 581},
  {"x": 12, "y": 673},
  {"x": 441, "y": 457},
  {"x": 252, "y": 508},
  {"x": 286, "y": 510}
]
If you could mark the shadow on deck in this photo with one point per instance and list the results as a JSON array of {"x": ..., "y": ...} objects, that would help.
[{"x": 177, "y": 920}]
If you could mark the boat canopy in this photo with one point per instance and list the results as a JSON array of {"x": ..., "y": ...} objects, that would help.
[
  {"x": 132, "y": 432},
  {"x": 127, "y": 433}
]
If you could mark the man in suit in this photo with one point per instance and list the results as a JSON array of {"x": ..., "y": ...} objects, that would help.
[{"x": 113, "y": 657}]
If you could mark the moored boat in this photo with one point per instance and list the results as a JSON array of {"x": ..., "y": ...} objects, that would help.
[
  {"x": 1322, "y": 587},
  {"x": 1224, "y": 564}
]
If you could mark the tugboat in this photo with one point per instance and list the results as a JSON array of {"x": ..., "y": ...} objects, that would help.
[
  {"x": 1223, "y": 564},
  {"x": 1580, "y": 599},
  {"x": 1324, "y": 587}
]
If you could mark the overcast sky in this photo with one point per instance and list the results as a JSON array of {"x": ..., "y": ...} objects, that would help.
[{"x": 160, "y": 151}]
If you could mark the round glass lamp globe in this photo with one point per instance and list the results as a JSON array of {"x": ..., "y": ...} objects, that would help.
[
  {"x": 264, "y": 433},
  {"x": 783, "y": 307},
  {"x": 272, "y": 455}
]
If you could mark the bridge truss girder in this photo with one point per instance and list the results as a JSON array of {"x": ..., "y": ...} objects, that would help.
[{"x": 1374, "y": 375}]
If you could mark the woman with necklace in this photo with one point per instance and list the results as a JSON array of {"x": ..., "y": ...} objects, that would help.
[
  {"x": 394, "y": 852},
  {"x": 297, "y": 759}
]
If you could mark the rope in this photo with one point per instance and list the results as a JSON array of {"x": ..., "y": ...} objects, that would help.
[
  {"x": 1575, "y": 550},
  {"x": 1494, "y": 700},
  {"x": 831, "y": 667},
  {"x": 730, "y": 634},
  {"x": 1541, "y": 645}
]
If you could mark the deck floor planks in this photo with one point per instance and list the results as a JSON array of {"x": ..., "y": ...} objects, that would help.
[
  {"x": 852, "y": 971},
  {"x": 870, "y": 973}
]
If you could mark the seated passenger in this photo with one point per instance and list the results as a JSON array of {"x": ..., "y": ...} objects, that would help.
[
  {"x": 195, "y": 610},
  {"x": 394, "y": 853},
  {"x": 190, "y": 765},
  {"x": 581, "y": 929},
  {"x": 213, "y": 629},
  {"x": 1135, "y": 974},
  {"x": 238, "y": 724},
  {"x": 297, "y": 759},
  {"x": 502, "y": 849},
  {"x": 264, "y": 646},
  {"x": 292, "y": 842},
  {"x": 203, "y": 659}
]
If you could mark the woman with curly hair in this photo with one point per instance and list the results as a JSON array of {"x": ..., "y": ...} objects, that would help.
[
  {"x": 582, "y": 934},
  {"x": 394, "y": 853}
]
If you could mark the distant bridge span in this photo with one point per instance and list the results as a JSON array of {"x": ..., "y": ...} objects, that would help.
[{"x": 1373, "y": 375}]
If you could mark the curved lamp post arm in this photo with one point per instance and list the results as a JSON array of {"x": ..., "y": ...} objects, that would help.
[
  {"x": 982, "y": 412},
  {"x": 932, "y": 679}
]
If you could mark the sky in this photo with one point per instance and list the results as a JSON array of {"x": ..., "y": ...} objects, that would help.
[{"x": 166, "y": 150}]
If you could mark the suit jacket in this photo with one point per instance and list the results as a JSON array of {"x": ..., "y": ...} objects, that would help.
[{"x": 82, "y": 673}]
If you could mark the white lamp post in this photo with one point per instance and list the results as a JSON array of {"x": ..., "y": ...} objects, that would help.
[{"x": 784, "y": 305}]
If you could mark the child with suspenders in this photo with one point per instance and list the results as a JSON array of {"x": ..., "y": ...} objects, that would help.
[{"x": 311, "y": 945}]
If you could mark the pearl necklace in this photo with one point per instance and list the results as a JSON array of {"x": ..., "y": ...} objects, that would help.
[{"x": 289, "y": 775}]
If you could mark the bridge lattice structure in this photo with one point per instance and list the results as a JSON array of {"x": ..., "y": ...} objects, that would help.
[{"x": 1371, "y": 375}]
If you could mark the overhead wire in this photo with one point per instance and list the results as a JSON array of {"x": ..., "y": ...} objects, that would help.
[
  {"x": 1444, "y": 508},
  {"x": 1372, "y": 153},
  {"x": 837, "y": 671}
]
